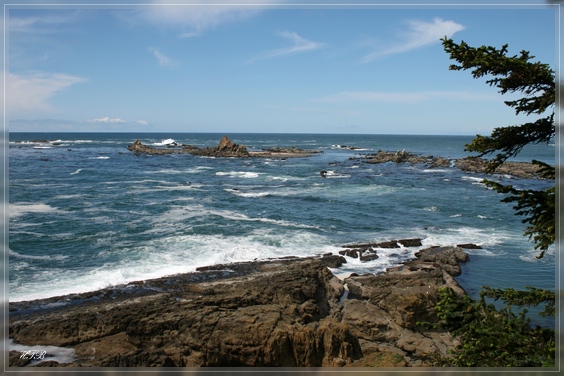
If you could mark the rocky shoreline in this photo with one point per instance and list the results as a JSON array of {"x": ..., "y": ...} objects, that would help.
[
  {"x": 524, "y": 170},
  {"x": 290, "y": 312},
  {"x": 225, "y": 149}
]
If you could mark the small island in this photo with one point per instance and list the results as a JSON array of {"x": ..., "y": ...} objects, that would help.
[
  {"x": 225, "y": 149},
  {"x": 524, "y": 170}
]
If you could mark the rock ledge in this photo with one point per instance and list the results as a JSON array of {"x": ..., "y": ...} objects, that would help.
[{"x": 290, "y": 312}]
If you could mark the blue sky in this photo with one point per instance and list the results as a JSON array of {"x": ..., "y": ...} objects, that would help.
[{"x": 261, "y": 68}]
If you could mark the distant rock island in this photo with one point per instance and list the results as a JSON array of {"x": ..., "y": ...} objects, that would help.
[
  {"x": 525, "y": 170},
  {"x": 288, "y": 312},
  {"x": 225, "y": 149}
]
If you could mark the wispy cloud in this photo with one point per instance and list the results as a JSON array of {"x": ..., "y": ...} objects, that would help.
[
  {"x": 142, "y": 122},
  {"x": 164, "y": 61},
  {"x": 419, "y": 34},
  {"x": 46, "y": 24},
  {"x": 193, "y": 17},
  {"x": 30, "y": 92},
  {"x": 299, "y": 44},
  {"x": 108, "y": 120},
  {"x": 403, "y": 97}
]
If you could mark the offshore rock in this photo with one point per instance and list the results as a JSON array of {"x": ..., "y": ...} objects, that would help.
[
  {"x": 406, "y": 157},
  {"x": 225, "y": 149},
  {"x": 525, "y": 170},
  {"x": 283, "y": 312}
]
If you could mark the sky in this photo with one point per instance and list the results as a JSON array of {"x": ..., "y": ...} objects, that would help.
[{"x": 271, "y": 67}]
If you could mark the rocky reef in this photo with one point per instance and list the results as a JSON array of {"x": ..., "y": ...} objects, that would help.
[
  {"x": 524, "y": 170},
  {"x": 470, "y": 164},
  {"x": 225, "y": 149},
  {"x": 290, "y": 312}
]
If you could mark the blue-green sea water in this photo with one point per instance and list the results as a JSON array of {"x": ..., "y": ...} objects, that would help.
[{"x": 85, "y": 213}]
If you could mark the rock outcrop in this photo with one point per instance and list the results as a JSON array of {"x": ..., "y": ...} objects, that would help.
[
  {"x": 469, "y": 164},
  {"x": 366, "y": 252},
  {"x": 284, "y": 312},
  {"x": 225, "y": 149}
]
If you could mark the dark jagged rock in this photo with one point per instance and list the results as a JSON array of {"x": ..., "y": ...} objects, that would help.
[
  {"x": 469, "y": 246},
  {"x": 366, "y": 251},
  {"x": 283, "y": 312},
  {"x": 416, "y": 242}
]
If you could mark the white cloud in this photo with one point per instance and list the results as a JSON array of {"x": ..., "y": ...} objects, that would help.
[
  {"x": 299, "y": 44},
  {"x": 193, "y": 17},
  {"x": 28, "y": 93},
  {"x": 108, "y": 120},
  {"x": 404, "y": 97},
  {"x": 46, "y": 24},
  {"x": 419, "y": 34},
  {"x": 164, "y": 61},
  {"x": 142, "y": 122}
]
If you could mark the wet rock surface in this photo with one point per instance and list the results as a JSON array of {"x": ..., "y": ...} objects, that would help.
[{"x": 281, "y": 312}]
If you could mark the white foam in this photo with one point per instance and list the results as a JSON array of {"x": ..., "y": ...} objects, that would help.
[
  {"x": 487, "y": 239},
  {"x": 17, "y": 210},
  {"x": 431, "y": 208},
  {"x": 13, "y": 253},
  {"x": 474, "y": 180},
  {"x": 173, "y": 254},
  {"x": 436, "y": 170},
  {"x": 239, "y": 174},
  {"x": 101, "y": 157},
  {"x": 76, "y": 172},
  {"x": 334, "y": 175},
  {"x": 168, "y": 141},
  {"x": 236, "y": 192}
]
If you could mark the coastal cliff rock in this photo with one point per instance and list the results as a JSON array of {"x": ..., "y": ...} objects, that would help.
[
  {"x": 524, "y": 170},
  {"x": 283, "y": 312}
]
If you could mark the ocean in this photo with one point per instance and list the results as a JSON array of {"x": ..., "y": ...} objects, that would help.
[{"x": 85, "y": 213}]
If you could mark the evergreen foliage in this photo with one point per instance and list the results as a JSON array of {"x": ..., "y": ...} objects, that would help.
[
  {"x": 536, "y": 81},
  {"x": 490, "y": 337},
  {"x": 500, "y": 338}
]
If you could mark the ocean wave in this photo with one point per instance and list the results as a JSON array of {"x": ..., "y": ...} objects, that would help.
[
  {"x": 76, "y": 172},
  {"x": 13, "y": 253},
  {"x": 239, "y": 174},
  {"x": 17, "y": 210},
  {"x": 489, "y": 240},
  {"x": 431, "y": 208},
  {"x": 171, "y": 254},
  {"x": 330, "y": 174},
  {"x": 237, "y": 192},
  {"x": 475, "y": 180},
  {"x": 168, "y": 141}
]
